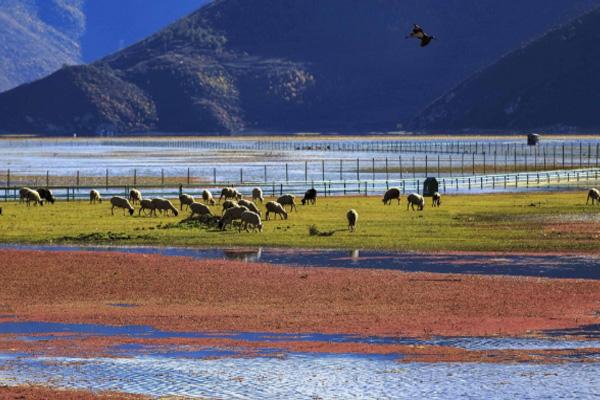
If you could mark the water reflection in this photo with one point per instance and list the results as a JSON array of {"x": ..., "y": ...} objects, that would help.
[{"x": 245, "y": 255}]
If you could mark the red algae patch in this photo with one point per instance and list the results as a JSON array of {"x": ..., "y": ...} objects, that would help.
[
  {"x": 44, "y": 393},
  {"x": 182, "y": 294}
]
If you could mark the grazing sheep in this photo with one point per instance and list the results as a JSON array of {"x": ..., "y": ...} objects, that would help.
[
  {"x": 185, "y": 200},
  {"x": 164, "y": 205},
  {"x": 250, "y": 206},
  {"x": 146, "y": 204},
  {"x": 391, "y": 194},
  {"x": 207, "y": 197},
  {"x": 29, "y": 195},
  {"x": 436, "y": 200},
  {"x": 288, "y": 200},
  {"x": 415, "y": 199},
  {"x": 46, "y": 194},
  {"x": 277, "y": 209},
  {"x": 593, "y": 194},
  {"x": 23, "y": 194},
  {"x": 120, "y": 202},
  {"x": 230, "y": 215},
  {"x": 250, "y": 218},
  {"x": 95, "y": 197},
  {"x": 257, "y": 195},
  {"x": 200, "y": 209},
  {"x": 310, "y": 197},
  {"x": 352, "y": 217},
  {"x": 135, "y": 195},
  {"x": 229, "y": 204},
  {"x": 230, "y": 193}
]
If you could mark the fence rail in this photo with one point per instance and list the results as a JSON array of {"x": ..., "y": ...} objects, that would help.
[{"x": 548, "y": 180}]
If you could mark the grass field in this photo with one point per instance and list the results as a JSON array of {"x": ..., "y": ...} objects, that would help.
[{"x": 528, "y": 222}]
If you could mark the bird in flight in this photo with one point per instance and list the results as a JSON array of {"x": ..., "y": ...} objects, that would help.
[{"x": 419, "y": 33}]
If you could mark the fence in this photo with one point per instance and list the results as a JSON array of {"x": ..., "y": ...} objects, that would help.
[{"x": 479, "y": 184}]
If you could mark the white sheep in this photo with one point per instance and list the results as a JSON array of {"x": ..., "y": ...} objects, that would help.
[
  {"x": 230, "y": 215},
  {"x": 352, "y": 217},
  {"x": 250, "y": 206},
  {"x": 415, "y": 199},
  {"x": 185, "y": 200},
  {"x": 165, "y": 205},
  {"x": 277, "y": 209},
  {"x": 229, "y": 204},
  {"x": 120, "y": 202},
  {"x": 207, "y": 197},
  {"x": 391, "y": 194},
  {"x": 257, "y": 194},
  {"x": 29, "y": 195},
  {"x": 288, "y": 200},
  {"x": 135, "y": 196},
  {"x": 436, "y": 200},
  {"x": 146, "y": 204},
  {"x": 593, "y": 194},
  {"x": 252, "y": 219},
  {"x": 230, "y": 193},
  {"x": 200, "y": 209},
  {"x": 95, "y": 197}
]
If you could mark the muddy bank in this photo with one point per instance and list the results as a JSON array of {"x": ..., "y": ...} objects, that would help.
[
  {"x": 44, "y": 393},
  {"x": 182, "y": 294}
]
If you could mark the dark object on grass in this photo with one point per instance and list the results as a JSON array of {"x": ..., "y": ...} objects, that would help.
[
  {"x": 533, "y": 139},
  {"x": 314, "y": 231},
  {"x": 430, "y": 186},
  {"x": 46, "y": 194}
]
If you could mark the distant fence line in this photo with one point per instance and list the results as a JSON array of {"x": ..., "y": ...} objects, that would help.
[
  {"x": 581, "y": 149},
  {"x": 386, "y": 168},
  {"x": 483, "y": 183}
]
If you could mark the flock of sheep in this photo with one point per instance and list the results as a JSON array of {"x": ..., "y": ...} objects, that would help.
[{"x": 234, "y": 206}]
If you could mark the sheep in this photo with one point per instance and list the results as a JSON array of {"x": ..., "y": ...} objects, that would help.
[
  {"x": 146, "y": 204},
  {"x": 164, "y": 205},
  {"x": 593, "y": 194},
  {"x": 120, "y": 202},
  {"x": 199, "y": 209},
  {"x": 415, "y": 199},
  {"x": 230, "y": 215},
  {"x": 95, "y": 197},
  {"x": 288, "y": 200},
  {"x": 252, "y": 219},
  {"x": 29, "y": 195},
  {"x": 185, "y": 200},
  {"x": 257, "y": 195},
  {"x": 230, "y": 193},
  {"x": 277, "y": 209},
  {"x": 23, "y": 192},
  {"x": 391, "y": 194},
  {"x": 436, "y": 200},
  {"x": 250, "y": 206},
  {"x": 207, "y": 197},
  {"x": 352, "y": 217},
  {"x": 228, "y": 204},
  {"x": 46, "y": 194},
  {"x": 135, "y": 195},
  {"x": 310, "y": 197}
]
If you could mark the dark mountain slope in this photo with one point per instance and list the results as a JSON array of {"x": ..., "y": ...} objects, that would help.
[
  {"x": 288, "y": 65},
  {"x": 553, "y": 83}
]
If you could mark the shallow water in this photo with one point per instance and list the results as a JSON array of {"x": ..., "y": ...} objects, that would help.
[
  {"x": 298, "y": 376},
  {"x": 546, "y": 266}
]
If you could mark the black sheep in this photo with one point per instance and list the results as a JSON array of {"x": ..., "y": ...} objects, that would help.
[
  {"x": 310, "y": 197},
  {"x": 46, "y": 194}
]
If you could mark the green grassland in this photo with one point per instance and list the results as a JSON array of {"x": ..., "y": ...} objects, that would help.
[{"x": 533, "y": 222}]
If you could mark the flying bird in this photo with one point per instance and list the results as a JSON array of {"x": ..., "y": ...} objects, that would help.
[{"x": 419, "y": 33}]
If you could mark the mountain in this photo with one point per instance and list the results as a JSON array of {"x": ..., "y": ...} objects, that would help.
[
  {"x": 115, "y": 24},
  {"x": 37, "y": 37},
  {"x": 282, "y": 65},
  {"x": 40, "y": 36},
  {"x": 551, "y": 84}
]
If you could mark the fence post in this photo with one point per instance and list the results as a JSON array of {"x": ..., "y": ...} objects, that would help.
[
  {"x": 323, "y": 170},
  {"x": 134, "y": 177},
  {"x": 47, "y": 178},
  {"x": 426, "y": 166},
  {"x": 358, "y": 170},
  {"x": 286, "y": 173},
  {"x": 106, "y": 179},
  {"x": 400, "y": 166},
  {"x": 241, "y": 176},
  {"x": 474, "y": 162},
  {"x": 214, "y": 175},
  {"x": 188, "y": 176},
  {"x": 162, "y": 176},
  {"x": 77, "y": 178},
  {"x": 305, "y": 172},
  {"x": 342, "y": 171},
  {"x": 265, "y": 173}
]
